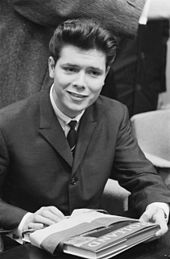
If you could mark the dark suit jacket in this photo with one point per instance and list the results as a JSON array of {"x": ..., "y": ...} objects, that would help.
[
  {"x": 37, "y": 167},
  {"x": 26, "y": 27}
]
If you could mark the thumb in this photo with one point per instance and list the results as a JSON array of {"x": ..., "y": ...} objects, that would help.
[{"x": 146, "y": 216}]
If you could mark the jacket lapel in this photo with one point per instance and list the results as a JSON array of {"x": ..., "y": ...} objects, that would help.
[
  {"x": 85, "y": 132},
  {"x": 51, "y": 130}
]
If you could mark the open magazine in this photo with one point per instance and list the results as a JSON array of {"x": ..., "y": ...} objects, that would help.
[{"x": 92, "y": 234}]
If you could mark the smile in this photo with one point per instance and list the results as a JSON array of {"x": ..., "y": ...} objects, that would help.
[{"x": 75, "y": 95}]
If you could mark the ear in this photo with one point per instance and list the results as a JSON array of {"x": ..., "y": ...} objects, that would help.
[
  {"x": 107, "y": 70},
  {"x": 51, "y": 66}
]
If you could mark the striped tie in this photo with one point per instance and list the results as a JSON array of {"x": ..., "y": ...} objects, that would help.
[{"x": 72, "y": 135}]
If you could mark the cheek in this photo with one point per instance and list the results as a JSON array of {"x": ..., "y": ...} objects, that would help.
[
  {"x": 62, "y": 80},
  {"x": 96, "y": 85}
]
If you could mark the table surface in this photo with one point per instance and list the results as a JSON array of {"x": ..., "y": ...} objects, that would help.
[{"x": 157, "y": 249}]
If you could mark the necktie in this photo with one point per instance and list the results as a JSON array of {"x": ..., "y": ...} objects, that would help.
[{"x": 72, "y": 135}]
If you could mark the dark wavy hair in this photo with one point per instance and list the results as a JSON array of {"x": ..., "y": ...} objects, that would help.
[{"x": 85, "y": 34}]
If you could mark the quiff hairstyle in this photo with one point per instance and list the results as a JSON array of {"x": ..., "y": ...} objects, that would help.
[{"x": 85, "y": 34}]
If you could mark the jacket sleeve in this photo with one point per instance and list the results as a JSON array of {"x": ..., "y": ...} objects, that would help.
[
  {"x": 135, "y": 173},
  {"x": 10, "y": 216},
  {"x": 120, "y": 16}
]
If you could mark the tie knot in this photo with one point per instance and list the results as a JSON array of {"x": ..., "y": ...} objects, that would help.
[{"x": 72, "y": 124}]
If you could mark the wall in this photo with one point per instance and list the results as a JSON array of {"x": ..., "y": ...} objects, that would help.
[{"x": 165, "y": 97}]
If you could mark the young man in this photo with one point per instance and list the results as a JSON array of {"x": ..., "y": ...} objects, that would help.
[{"x": 42, "y": 179}]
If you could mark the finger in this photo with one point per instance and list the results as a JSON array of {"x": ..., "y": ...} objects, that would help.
[
  {"x": 51, "y": 213},
  {"x": 52, "y": 217},
  {"x": 43, "y": 220},
  {"x": 31, "y": 227},
  {"x": 35, "y": 226},
  {"x": 159, "y": 218},
  {"x": 145, "y": 217},
  {"x": 56, "y": 212},
  {"x": 163, "y": 230},
  {"x": 156, "y": 216}
]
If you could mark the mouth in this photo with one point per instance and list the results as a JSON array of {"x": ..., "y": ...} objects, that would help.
[{"x": 76, "y": 95}]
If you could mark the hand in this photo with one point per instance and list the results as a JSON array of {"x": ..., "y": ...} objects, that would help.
[
  {"x": 155, "y": 214},
  {"x": 43, "y": 217}
]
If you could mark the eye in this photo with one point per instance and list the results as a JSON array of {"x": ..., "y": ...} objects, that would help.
[
  {"x": 70, "y": 69},
  {"x": 94, "y": 73}
]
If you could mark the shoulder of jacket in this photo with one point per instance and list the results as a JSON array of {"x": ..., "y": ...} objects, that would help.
[
  {"x": 19, "y": 108},
  {"x": 111, "y": 109}
]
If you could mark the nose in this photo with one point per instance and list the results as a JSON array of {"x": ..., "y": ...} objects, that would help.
[{"x": 80, "y": 81}]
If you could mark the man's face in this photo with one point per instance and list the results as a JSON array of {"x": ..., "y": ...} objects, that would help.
[{"x": 78, "y": 78}]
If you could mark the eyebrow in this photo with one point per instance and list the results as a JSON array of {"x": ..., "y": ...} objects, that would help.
[
  {"x": 77, "y": 66},
  {"x": 96, "y": 69}
]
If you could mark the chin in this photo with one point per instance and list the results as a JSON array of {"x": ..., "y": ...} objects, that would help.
[{"x": 76, "y": 110}]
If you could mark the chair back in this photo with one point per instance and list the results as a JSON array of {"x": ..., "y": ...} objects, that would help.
[
  {"x": 115, "y": 198},
  {"x": 152, "y": 130}
]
